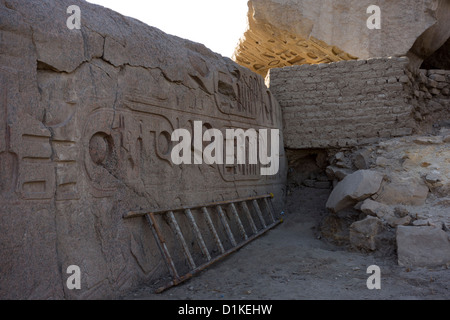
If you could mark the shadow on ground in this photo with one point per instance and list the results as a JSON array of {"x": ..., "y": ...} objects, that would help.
[{"x": 294, "y": 262}]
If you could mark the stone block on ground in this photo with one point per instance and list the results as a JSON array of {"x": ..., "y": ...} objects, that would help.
[
  {"x": 362, "y": 160},
  {"x": 363, "y": 233},
  {"x": 406, "y": 191},
  {"x": 423, "y": 246},
  {"x": 354, "y": 188},
  {"x": 385, "y": 212},
  {"x": 337, "y": 173}
]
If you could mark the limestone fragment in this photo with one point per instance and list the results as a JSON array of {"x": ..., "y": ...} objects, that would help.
[
  {"x": 363, "y": 234},
  {"x": 422, "y": 246},
  {"x": 354, "y": 188},
  {"x": 337, "y": 173},
  {"x": 386, "y": 213},
  {"x": 362, "y": 160},
  {"x": 404, "y": 190}
]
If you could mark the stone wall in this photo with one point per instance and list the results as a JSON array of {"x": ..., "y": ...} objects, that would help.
[
  {"x": 343, "y": 104},
  {"x": 430, "y": 90},
  {"x": 86, "y": 121}
]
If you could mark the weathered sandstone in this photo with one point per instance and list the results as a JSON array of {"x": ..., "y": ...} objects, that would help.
[{"x": 85, "y": 130}]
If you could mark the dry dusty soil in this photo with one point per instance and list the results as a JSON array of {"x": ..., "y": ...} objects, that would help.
[{"x": 292, "y": 262}]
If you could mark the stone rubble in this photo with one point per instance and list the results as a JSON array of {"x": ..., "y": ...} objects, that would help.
[
  {"x": 412, "y": 202},
  {"x": 290, "y": 32}
]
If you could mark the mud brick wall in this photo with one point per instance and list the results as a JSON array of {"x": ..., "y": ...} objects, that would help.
[{"x": 343, "y": 104}]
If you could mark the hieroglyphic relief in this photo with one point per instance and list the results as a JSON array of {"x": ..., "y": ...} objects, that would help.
[
  {"x": 264, "y": 47},
  {"x": 246, "y": 97},
  {"x": 132, "y": 147},
  {"x": 8, "y": 159},
  {"x": 37, "y": 162},
  {"x": 133, "y": 143},
  {"x": 26, "y": 168},
  {"x": 67, "y": 175},
  {"x": 37, "y": 173},
  {"x": 137, "y": 151},
  {"x": 85, "y": 136}
]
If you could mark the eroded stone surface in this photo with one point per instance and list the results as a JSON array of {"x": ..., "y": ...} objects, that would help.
[
  {"x": 423, "y": 246},
  {"x": 265, "y": 46},
  {"x": 404, "y": 190},
  {"x": 363, "y": 234},
  {"x": 413, "y": 199},
  {"x": 354, "y": 188},
  {"x": 86, "y": 121},
  {"x": 284, "y": 32}
]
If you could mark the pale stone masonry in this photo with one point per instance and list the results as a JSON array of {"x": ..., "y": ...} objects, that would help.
[{"x": 344, "y": 104}]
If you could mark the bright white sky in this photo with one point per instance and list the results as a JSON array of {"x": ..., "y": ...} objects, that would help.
[{"x": 218, "y": 24}]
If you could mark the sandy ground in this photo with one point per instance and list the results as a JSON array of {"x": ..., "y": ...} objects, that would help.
[{"x": 293, "y": 262}]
